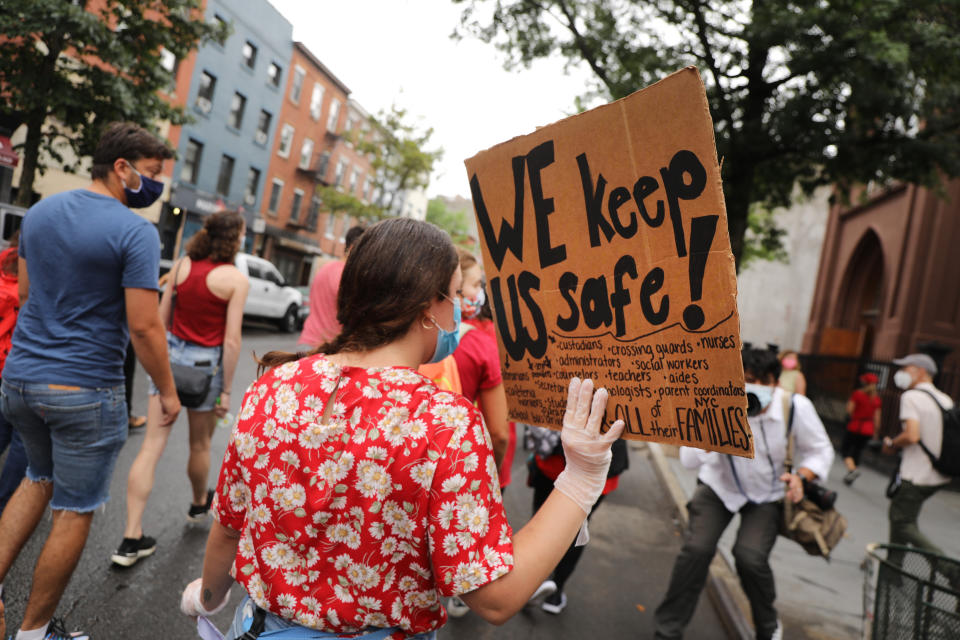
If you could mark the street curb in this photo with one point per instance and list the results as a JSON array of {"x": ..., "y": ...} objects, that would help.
[{"x": 723, "y": 587}]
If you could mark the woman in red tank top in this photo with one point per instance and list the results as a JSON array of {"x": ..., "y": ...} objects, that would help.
[{"x": 204, "y": 320}]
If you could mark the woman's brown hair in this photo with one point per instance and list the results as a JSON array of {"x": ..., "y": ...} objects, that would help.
[
  {"x": 218, "y": 240},
  {"x": 396, "y": 269}
]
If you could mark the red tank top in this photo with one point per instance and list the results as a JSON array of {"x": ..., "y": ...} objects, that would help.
[{"x": 199, "y": 315}]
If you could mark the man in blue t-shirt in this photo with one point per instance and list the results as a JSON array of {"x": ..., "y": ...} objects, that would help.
[{"x": 88, "y": 285}]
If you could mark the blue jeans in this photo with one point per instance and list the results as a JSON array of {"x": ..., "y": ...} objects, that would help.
[
  {"x": 72, "y": 437},
  {"x": 207, "y": 359},
  {"x": 15, "y": 466},
  {"x": 277, "y": 627}
]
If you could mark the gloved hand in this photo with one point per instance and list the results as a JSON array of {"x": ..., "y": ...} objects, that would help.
[
  {"x": 586, "y": 450},
  {"x": 191, "y": 603}
]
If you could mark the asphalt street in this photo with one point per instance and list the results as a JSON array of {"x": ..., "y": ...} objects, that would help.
[{"x": 619, "y": 581}]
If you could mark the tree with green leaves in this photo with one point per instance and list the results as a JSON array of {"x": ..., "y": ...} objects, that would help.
[
  {"x": 802, "y": 92},
  {"x": 67, "y": 69},
  {"x": 401, "y": 160}
]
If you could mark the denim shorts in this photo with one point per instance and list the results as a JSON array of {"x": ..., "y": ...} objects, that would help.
[
  {"x": 71, "y": 436},
  {"x": 277, "y": 627},
  {"x": 194, "y": 355}
]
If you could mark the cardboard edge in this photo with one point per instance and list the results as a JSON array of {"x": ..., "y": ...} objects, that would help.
[
  {"x": 724, "y": 590},
  {"x": 610, "y": 105}
]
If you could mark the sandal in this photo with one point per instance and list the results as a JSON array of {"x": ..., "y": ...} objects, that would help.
[{"x": 136, "y": 422}]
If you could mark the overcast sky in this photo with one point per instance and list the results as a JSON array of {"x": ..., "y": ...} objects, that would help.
[{"x": 399, "y": 51}]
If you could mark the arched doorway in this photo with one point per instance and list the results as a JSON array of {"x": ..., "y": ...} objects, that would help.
[{"x": 861, "y": 294}]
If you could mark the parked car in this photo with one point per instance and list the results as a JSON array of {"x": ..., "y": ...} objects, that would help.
[
  {"x": 304, "y": 306},
  {"x": 269, "y": 298}
]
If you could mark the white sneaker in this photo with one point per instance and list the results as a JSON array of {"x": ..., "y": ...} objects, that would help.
[
  {"x": 555, "y": 603},
  {"x": 778, "y": 633},
  {"x": 547, "y": 588},
  {"x": 457, "y": 608}
]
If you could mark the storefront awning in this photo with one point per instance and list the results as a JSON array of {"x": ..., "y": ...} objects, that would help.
[{"x": 8, "y": 157}]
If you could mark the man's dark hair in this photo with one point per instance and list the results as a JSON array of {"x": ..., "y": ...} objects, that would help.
[
  {"x": 129, "y": 141},
  {"x": 762, "y": 363},
  {"x": 352, "y": 235}
]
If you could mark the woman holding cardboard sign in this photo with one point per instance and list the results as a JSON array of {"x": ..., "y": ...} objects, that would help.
[{"x": 354, "y": 493}]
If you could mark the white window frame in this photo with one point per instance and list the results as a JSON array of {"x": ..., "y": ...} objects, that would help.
[
  {"x": 305, "y": 153},
  {"x": 286, "y": 144},
  {"x": 316, "y": 101},
  {"x": 328, "y": 228},
  {"x": 301, "y": 73},
  {"x": 274, "y": 183},
  {"x": 334, "y": 116},
  {"x": 296, "y": 192}
]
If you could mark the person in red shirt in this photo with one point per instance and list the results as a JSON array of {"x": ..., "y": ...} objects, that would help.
[
  {"x": 15, "y": 465},
  {"x": 354, "y": 494},
  {"x": 478, "y": 363},
  {"x": 204, "y": 331},
  {"x": 863, "y": 407},
  {"x": 322, "y": 325}
]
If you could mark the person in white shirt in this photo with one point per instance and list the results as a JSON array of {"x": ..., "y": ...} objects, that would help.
[
  {"x": 754, "y": 488},
  {"x": 922, "y": 421}
]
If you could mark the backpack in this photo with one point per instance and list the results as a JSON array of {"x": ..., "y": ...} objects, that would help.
[
  {"x": 949, "y": 461},
  {"x": 816, "y": 530}
]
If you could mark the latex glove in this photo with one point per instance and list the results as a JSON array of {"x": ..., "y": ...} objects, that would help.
[
  {"x": 191, "y": 603},
  {"x": 586, "y": 450}
]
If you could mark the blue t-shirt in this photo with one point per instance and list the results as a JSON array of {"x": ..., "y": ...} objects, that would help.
[{"x": 82, "y": 250}]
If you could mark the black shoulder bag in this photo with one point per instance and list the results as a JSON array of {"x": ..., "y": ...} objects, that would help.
[{"x": 192, "y": 384}]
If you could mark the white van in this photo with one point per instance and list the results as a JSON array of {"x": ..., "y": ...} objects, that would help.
[{"x": 269, "y": 298}]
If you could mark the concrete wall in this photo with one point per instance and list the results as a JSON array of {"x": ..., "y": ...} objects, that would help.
[{"x": 774, "y": 298}]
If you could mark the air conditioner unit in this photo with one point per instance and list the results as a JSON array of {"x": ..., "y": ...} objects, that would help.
[
  {"x": 260, "y": 137},
  {"x": 204, "y": 105}
]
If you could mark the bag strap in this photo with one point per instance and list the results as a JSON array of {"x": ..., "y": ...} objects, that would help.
[
  {"x": 933, "y": 459},
  {"x": 788, "y": 418},
  {"x": 259, "y": 622}
]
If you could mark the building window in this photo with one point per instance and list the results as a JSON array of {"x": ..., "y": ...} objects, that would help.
[
  {"x": 367, "y": 188},
  {"x": 253, "y": 183},
  {"x": 208, "y": 84},
  {"x": 263, "y": 127},
  {"x": 328, "y": 226},
  {"x": 237, "y": 106},
  {"x": 306, "y": 153},
  {"x": 334, "y": 115},
  {"x": 191, "y": 162},
  {"x": 295, "y": 207},
  {"x": 170, "y": 64},
  {"x": 323, "y": 165},
  {"x": 226, "y": 174},
  {"x": 316, "y": 101},
  {"x": 286, "y": 141},
  {"x": 354, "y": 180},
  {"x": 222, "y": 25},
  {"x": 249, "y": 54},
  {"x": 298, "y": 74},
  {"x": 275, "y": 196},
  {"x": 341, "y": 171},
  {"x": 274, "y": 73},
  {"x": 313, "y": 213}
]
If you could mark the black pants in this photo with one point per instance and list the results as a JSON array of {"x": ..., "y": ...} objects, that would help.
[
  {"x": 542, "y": 486},
  {"x": 759, "y": 524},
  {"x": 853, "y": 445}
]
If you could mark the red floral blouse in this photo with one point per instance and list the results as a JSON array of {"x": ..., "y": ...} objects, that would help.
[{"x": 368, "y": 519}]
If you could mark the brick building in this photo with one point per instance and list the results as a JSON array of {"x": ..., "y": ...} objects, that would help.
[{"x": 310, "y": 149}]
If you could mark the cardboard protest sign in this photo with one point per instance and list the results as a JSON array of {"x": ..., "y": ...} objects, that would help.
[{"x": 607, "y": 256}]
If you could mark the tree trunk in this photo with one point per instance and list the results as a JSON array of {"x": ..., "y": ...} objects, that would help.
[
  {"x": 31, "y": 155},
  {"x": 738, "y": 190}
]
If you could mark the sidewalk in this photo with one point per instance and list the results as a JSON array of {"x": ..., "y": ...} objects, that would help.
[
  {"x": 620, "y": 578},
  {"x": 824, "y": 601}
]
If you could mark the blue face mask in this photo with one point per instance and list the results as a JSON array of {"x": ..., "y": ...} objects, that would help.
[
  {"x": 146, "y": 194},
  {"x": 763, "y": 392},
  {"x": 447, "y": 341}
]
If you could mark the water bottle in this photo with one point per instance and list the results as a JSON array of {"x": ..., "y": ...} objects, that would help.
[{"x": 226, "y": 421}]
